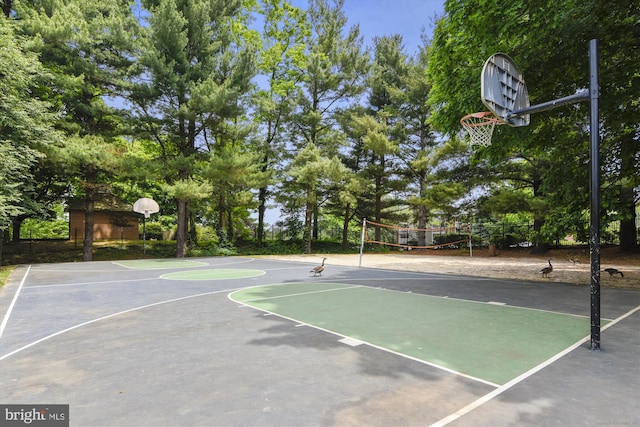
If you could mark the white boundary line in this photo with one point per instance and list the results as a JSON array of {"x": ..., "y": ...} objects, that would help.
[
  {"x": 77, "y": 270},
  {"x": 387, "y": 350},
  {"x": 5, "y": 356},
  {"x": 345, "y": 287},
  {"x": 487, "y": 397},
  {"x": 164, "y": 276},
  {"x": 373, "y": 279},
  {"x": 471, "y": 301},
  {"x": 5, "y": 320},
  {"x": 56, "y": 285},
  {"x": 204, "y": 263},
  {"x": 159, "y": 267}
]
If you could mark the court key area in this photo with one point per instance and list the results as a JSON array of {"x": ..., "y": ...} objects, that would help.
[{"x": 236, "y": 341}]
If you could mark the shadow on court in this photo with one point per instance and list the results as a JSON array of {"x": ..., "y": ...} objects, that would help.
[{"x": 166, "y": 345}]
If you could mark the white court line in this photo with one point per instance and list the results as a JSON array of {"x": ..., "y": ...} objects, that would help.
[
  {"x": 5, "y": 320},
  {"x": 71, "y": 270},
  {"x": 374, "y": 279},
  {"x": 300, "y": 293},
  {"x": 475, "y": 301},
  {"x": 489, "y": 396},
  {"x": 283, "y": 268},
  {"x": 5, "y": 356},
  {"x": 387, "y": 350},
  {"x": 159, "y": 267},
  {"x": 56, "y": 285},
  {"x": 202, "y": 262}
]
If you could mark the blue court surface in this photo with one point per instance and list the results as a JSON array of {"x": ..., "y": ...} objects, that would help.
[{"x": 239, "y": 341}]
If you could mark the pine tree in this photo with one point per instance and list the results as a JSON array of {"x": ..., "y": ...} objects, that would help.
[
  {"x": 333, "y": 75},
  {"x": 197, "y": 63}
]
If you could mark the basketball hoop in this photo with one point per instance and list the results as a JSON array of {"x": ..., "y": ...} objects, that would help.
[
  {"x": 146, "y": 207},
  {"x": 480, "y": 127}
]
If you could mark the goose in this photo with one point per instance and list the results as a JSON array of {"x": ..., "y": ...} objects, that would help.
[
  {"x": 575, "y": 261},
  {"x": 614, "y": 271},
  {"x": 319, "y": 269},
  {"x": 545, "y": 271}
]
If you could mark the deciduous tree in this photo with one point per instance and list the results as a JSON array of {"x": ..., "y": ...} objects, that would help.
[
  {"x": 282, "y": 58},
  {"x": 26, "y": 124},
  {"x": 549, "y": 42},
  {"x": 332, "y": 77}
]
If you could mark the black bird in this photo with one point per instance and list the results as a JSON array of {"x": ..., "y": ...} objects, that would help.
[
  {"x": 614, "y": 271},
  {"x": 319, "y": 269},
  {"x": 545, "y": 271}
]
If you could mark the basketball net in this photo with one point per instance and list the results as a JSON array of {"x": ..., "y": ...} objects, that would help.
[{"x": 480, "y": 127}]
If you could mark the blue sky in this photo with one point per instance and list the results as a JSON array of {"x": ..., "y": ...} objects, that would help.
[{"x": 388, "y": 17}]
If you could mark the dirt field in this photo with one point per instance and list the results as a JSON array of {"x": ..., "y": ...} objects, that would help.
[{"x": 519, "y": 264}]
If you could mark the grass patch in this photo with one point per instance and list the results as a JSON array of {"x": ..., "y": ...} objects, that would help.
[{"x": 5, "y": 271}]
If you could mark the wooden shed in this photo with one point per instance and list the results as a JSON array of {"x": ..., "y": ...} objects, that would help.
[{"x": 112, "y": 220}]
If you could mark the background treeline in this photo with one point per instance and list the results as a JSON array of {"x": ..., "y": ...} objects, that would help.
[{"x": 218, "y": 109}]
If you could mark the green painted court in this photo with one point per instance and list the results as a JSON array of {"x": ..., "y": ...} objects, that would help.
[{"x": 490, "y": 342}]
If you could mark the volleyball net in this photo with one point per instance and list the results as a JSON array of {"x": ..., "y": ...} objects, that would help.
[{"x": 409, "y": 238}]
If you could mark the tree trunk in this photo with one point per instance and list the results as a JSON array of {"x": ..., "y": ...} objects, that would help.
[
  {"x": 378, "y": 208},
  {"x": 538, "y": 220},
  {"x": 87, "y": 242},
  {"x": 308, "y": 220},
  {"x": 315, "y": 223},
  {"x": 16, "y": 224},
  {"x": 192, "y": 236},
  {"x": 345, "y": 227},
  {"x": 540, "y": 246},
  {"x": 230, "y": 233},
  {"x": 181, "y": 232},
  {"x": 422, "y": 225},
  {"x": 6, "y": 7},
  {"x": 628, "y": 233},
  {"x": 262, "y": 207}
]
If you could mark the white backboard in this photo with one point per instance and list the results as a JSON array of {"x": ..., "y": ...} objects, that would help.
[
  {"x": 146, "y": 206},
  {"x": 503, "y": 89}
]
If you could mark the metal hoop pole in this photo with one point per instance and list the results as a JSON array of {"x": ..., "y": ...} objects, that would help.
[
  {"x": 594, "y": 90},
  {"x": 571, "y": 99}
]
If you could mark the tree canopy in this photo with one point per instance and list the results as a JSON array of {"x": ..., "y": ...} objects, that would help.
[{"x": 221, "y": 109}]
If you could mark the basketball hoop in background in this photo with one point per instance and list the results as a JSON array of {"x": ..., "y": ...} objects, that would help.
[
  {"x": 146, "y": 207},
  {"x": 480, "y": 127}
]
